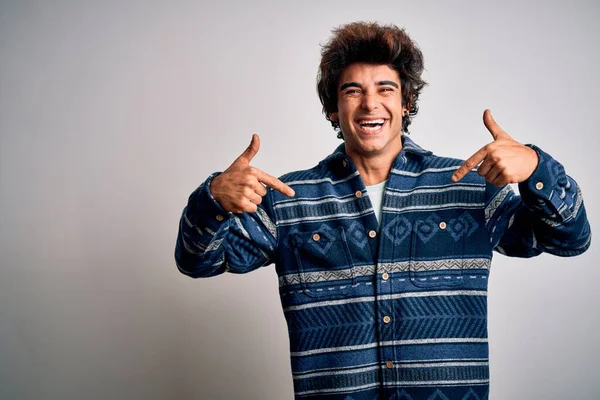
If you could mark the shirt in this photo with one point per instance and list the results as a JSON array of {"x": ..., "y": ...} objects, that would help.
[
  {"x": 395, "y": 310},
  {"x": 375, "y": 193}
]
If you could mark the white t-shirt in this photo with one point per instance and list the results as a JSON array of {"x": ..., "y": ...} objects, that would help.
[{"x": 375, "y": 193}]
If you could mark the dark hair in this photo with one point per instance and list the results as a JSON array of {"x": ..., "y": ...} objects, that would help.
[{"x": 368, "y": 42}]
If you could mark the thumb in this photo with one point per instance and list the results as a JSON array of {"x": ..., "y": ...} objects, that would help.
[
  {"x": 251, "y": 150},
  {"x": 492, "y": 126}
]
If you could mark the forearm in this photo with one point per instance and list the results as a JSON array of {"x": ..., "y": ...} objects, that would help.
[
  {"x": 555, "y": 200},
  {"x": 549, "y": 216},
  {"x": 203, "y": 227},
  {"x": 211, "y": 240}
]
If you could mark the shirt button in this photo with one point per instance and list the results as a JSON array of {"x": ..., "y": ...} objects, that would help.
[
  {"x": 372, "y": 234},
  {"x": 385, "y": 276},
  {"x": 316, "y": 237},
  {"x": 442, "y": 225},
  {"x": 387, "y": 319},
  {"x": 539, "y": 186},
  {"x": 219, "y": 218},
  {"x": 345, "y": 163},
  {"x": 358, "y": 193},
  {"x": 389, "y": 364}
]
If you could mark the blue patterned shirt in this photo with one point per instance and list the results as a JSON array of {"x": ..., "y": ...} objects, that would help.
[{"x": 395, "y": 310}]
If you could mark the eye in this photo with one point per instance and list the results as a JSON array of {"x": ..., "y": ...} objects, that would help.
[
  {"x": 352, "y": 91},
  {"x": 387, "y": 89}
]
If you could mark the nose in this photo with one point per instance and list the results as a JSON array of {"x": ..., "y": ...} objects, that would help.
[{"x": 369, "y": 102}]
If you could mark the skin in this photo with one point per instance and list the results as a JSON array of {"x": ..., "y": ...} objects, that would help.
[
  {"x": 368, "y": 91},
  {"x": 240, "y": 187},
  {"x": 503, "y": 161}
]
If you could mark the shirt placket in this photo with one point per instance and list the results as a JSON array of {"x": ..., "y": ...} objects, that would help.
[
  {"x": 389, "y": 349},
  {"x": 383, "y": 288}
]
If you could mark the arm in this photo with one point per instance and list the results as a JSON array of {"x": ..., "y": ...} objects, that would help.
[
  {"x": 212, "y": 240},
  {"x": 548, "y": 216}
]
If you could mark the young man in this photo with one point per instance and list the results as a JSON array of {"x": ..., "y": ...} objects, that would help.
[{"x": 383, "y": 249}]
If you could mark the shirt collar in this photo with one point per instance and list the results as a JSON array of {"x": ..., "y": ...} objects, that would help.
[{"x": 408, "y": 146}]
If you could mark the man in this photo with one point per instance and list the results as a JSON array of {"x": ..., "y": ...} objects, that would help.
[{"x": 383, "y": 249}]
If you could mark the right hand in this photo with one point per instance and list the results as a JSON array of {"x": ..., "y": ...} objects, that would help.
[{"x": 240, "y": 187}]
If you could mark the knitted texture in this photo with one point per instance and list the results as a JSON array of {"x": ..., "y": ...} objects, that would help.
[{"x": 396, "y": 310}]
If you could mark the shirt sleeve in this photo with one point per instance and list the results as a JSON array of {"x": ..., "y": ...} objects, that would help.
[
  {"x": 548, "y": 216},
  {"x": 211, "y": 240}
]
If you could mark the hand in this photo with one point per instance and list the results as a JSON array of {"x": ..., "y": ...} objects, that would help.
[
  {"x": 240, "y": 187},
  {"x": 504, "y": 160}
]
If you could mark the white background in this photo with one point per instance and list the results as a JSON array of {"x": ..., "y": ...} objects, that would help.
[{"x": 112, "y": 113}]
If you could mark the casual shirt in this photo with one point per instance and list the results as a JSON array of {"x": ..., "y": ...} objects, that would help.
[
  {"x": 395, "y": 309},
  {"x": 375, "y": 193}
]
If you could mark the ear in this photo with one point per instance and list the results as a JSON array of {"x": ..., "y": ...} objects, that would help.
[{"x": 333, "y": 116}]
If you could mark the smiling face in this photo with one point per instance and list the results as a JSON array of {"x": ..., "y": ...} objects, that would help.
[{"x": 370, "y": 110}]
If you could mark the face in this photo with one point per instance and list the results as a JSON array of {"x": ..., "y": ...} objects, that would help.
[{"x": 370, "y": 110}]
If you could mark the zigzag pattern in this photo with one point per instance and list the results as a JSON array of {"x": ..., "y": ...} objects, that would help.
[
  {"x": 343, "y": 314},
  {"x": 337, "y": 381},
  {"x": 438, "y": 394},
  {"x": 441, "y": 317},
  {"x": 414, "y": 318},
  {"x": 442, "y": 327},
  {"x": 462, "y": 373},
  {"x": 324, "y": 276},
  {"x": 325, "y": 327},
  {"x": 394, "y": 267},
  {"x": 327, "y": 337},
  {"x": 324, "y": 249},
  {"x": 448, "y": 264},
  {"x": 447, "y": 306},
  {"x": 495, "y": 203}
]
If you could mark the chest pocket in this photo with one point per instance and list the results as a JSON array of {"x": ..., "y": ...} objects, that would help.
[
  {"x": 324, "y": 262},
  {"x": 438, "y": 250}
]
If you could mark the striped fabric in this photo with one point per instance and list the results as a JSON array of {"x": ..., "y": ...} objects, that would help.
[{"x": 395, "y": 310}]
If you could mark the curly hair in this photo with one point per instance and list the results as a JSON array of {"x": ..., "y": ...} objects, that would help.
[{"x": 369, "y": 42}]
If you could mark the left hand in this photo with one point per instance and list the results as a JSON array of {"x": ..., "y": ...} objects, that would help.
[{"x": 504, "y": 160}]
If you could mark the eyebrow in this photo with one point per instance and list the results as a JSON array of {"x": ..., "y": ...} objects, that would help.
[{"x": 358, "y": 85}]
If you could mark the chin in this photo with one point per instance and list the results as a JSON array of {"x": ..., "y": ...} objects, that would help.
[{"x": 371, "y": 148}]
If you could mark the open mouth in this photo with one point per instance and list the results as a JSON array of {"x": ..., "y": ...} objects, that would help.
[{"x": 371, "y": 125}]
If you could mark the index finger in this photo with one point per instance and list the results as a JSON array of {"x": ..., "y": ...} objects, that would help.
[
  {"x": 275, "y": 183},
  {"x": 469, "y": 164}
]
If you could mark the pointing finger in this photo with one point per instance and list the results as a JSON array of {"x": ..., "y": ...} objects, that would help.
[
  {"x": 492, "y": 126},
  {"x": 251, "y": 150},
  {"x": 469, "y": 164},
  {"x": 276, "y": 184}
]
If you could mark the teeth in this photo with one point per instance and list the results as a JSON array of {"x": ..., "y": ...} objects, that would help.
[
  {"x": 371, "y": 121},
  {"x": 370, "y": 128}
]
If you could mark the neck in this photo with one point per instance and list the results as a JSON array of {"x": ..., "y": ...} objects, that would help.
[{"x": 374, "y": 167}]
